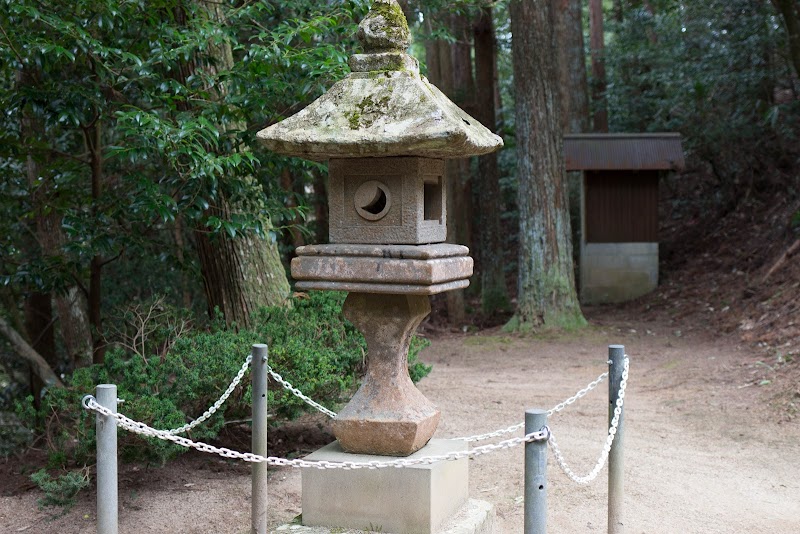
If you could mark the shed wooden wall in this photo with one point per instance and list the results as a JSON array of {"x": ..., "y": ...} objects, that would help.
[{"x": 621, "y": 206}]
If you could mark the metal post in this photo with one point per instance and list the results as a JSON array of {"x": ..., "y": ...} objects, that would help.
[
  {"x": 258, "y": 514},
  {"x": 106, "y": 426},
  {"x": 616, "y": 482},
  {"x": 535, "y": 475}
]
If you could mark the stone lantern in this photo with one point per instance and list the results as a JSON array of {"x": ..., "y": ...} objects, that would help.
[{"x": 385, "y": 132}]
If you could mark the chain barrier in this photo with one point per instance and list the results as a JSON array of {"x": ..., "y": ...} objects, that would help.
[
  {"x": 299, "y": 394},
  {"x": 212, "y": 410},
  {"x": 478, "y": 437},
  {"x": 90, "y": 403},
  {"x": 612, "y": 431},
  {"x": 557, "y": 408},
  {"x": 234, "y": 384}
]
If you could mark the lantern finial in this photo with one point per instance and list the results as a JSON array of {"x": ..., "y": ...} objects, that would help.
[{"x": 385, "y": 28}]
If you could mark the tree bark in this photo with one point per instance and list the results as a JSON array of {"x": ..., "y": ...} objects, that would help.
[
  {"x": 574, "y": 95},
  {"x": 790, "y": 13},
  {"x": 494, "y": 293},
  {"x": 93, "y": 138},
  {"x": 38, "y": 363},
  {"x": 180, "y": 246},
  {"x": 291, "y": 189},
  {"x": 38, "y": 306},
  {"x": 546, "y": 293},
  {"x": 460, "y": 212},
  {"x": 39, "y": 325},
  {"x": 69, "y": 301},
  {"x": 441, "y": 58},
  {"x": 597, "y": 45},
  {"x": 321, "y": 206},
  {"x": 240, "y": 274},
  {"x": 574, "y": 85}
]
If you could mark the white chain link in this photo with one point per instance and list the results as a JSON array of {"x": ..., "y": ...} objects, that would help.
[
  {"x": 299, "y": 394},
  {"x": 582, "y": 393},
  {"x": 478, "y": 437},
  {"x": 557, "y": 408},
  {"x": 612, "y": 431},
  {"x": 235, "y": 383},
  {"x": 208, "y": 413},
  {"x": 90, "y": 403}
]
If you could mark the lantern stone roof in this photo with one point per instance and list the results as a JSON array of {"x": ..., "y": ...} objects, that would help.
[{"x": 383, "y": 108}]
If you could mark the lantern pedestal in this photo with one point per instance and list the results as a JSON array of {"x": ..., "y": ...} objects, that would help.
[
  {"x": 420, "y": 499},
  {"x": 389, "y": 287},
  {"x": 388, "y": 415}
]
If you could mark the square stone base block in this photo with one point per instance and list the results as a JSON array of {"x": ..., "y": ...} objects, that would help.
[
  {"x": 475, "y": 517},
  {"x": 407, "y": 500}
]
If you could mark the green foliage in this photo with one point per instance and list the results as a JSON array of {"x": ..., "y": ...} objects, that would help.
[
  {"x": 126, "y": 124},
  {"x": 713, "y": 71},
  {"x": 310, "y": 345},
  {"x": 60, "y": 491}
]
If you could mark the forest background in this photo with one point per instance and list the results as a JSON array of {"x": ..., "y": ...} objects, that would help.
[{"x": 145, "y": 236}]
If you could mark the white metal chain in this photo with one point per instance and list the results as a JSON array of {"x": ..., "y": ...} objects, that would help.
[
  {"x": 234, "y": 384},
  {"x": 557, "y": 408},
  {"x": 208, "y": 413},
  {"x": 90, "y": 403},
  {"x": 582, "y": 393},
  {"x": 299, "y": 394},
  {"x": 612, "y": 431}
]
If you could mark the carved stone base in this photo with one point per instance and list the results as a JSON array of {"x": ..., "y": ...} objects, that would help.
[{"x": 388, "y": 415}]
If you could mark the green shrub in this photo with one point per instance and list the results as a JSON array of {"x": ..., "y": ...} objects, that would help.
[
  {"x": 310, "y": 345},
  {"x": 60, "y": 491}
]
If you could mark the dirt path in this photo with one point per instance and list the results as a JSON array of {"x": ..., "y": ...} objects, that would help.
[{"x": 704, "y": 452}]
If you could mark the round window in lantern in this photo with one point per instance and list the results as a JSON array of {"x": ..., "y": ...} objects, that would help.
[{"x": 373, "y": 200}]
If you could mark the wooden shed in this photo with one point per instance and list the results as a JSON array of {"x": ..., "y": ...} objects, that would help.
[{"x": 619, "y": 210}]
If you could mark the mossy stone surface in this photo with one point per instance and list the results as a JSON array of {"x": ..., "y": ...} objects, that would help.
[
  {"x": 383, "y": 108},
  {"x": 385, "y": 28}
]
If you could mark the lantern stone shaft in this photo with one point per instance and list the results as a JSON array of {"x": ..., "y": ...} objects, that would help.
[{"x": 385, "y": 131}]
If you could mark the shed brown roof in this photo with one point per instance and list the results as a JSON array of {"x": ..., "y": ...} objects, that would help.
[{"x": 598, "y": 152}]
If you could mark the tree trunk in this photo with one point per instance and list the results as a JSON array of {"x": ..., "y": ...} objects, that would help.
[
  {"x": 321, "y": 206},
  {"x": 573, "y": 85},
  {"x": 38, "y": 306},
  {"x": 790, "y": 12},
  {"x": 240, "y": 274},
  {"x": 574, "y": 95},
  {"x": 39, "y": 365},
  {"x": 39, "y": 325},
  {"x": 180, "y": 246},
  {"x": 288, "y": 186},
  {"x": 546, "y": 286},
  {"x": 440, "y": 58},
  {"x": 73, "y": 319},
  {"x": 70, "y": 302},
  {"x": 597, "y": 44},
  {"x": 462, "y": 92},
  {"x": 494, "y": 293},
  {"x": 93, "y": 138}
]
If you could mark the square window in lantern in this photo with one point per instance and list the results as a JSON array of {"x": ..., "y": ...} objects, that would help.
[{"x": 433, "y": 199}]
